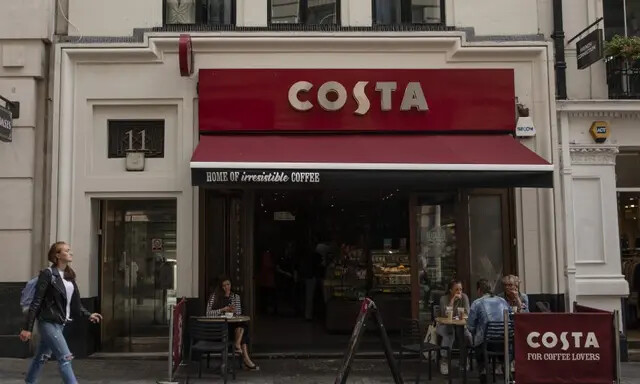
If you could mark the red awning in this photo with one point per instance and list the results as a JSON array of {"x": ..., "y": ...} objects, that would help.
[
  {"x": 354, "y": 152},
  {"x": 393, "y": 153}
]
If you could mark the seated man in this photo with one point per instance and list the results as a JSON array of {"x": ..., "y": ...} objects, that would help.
[
  {"x": 512, "y": 294},
  {"x": 488, "y": 307}
]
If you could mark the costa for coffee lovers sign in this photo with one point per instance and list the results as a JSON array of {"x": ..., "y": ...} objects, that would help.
[
  {"x": 564, "y": 348},
  {"x": 312, "y": 100}
]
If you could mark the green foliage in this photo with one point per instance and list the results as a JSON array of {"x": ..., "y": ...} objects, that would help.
[{"x": 627, "y": 48}]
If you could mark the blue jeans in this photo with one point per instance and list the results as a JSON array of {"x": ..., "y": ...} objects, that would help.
[{"x": 51, "y": 341}]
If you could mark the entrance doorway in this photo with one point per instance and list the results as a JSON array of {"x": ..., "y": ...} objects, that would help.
[
  {"x": 138, "y": 274},
  {"x": 302, "y": 259}
]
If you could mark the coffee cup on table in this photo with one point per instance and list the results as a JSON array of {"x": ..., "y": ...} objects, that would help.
[
  {"x": 449, "y": 312},
  {"x": 228, "y": 315},
  {"x": 460, "y": 313}
]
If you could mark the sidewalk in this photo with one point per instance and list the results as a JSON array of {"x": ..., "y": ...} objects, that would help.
[{"x": 278, "y": 371}]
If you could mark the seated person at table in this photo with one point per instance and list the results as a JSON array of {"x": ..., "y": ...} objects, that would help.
[
  {"x": 512, "y": 293},
  {"x": 222, "y": 301},
  {"x": 455, "y": 299},
  {"x": 488, "y": 307}
]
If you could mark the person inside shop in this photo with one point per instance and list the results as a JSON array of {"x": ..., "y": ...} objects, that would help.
[
  {"x": 311, "y": 272},
  {"x": 285, "y": 283},
  {"x": 224, "y": 301},
  {"x": 267, "y": 283},
  {"x": 518, "y": 301},
  {"x": 488, "y": 307},
  {"x": 458, "y": 302}
]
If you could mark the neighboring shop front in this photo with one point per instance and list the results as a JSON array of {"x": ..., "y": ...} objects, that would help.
[
  {"x": 342, "y": 166},
  {"x": 600, "y": 146}
]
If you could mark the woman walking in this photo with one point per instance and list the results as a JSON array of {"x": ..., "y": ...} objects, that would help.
[{"x": 55, "y": 300}]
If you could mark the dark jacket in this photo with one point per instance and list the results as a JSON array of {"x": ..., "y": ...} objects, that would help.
[{"x": 50, "y": 300}]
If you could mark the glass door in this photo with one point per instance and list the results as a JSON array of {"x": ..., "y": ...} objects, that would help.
[
  {"x": 138, "y": 274},
  {"x": 489, "y": 238}
]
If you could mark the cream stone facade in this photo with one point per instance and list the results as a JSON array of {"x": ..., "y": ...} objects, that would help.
[
  {"x": 99, "y": 83},
  {"x": 55, "y": 178}
]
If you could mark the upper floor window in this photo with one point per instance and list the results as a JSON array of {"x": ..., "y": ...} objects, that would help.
[
  {"x": 387, "y": 12},
  {"x": 199, "y": 12},
  {"x": 310, "y": 12}
]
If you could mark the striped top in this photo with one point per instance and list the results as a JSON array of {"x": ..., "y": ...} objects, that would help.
[{"x": 233, "y": 299}]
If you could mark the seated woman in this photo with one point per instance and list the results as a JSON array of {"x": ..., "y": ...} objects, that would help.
[
  {"x": 455, "y": 299},
  {"x": 222, "y": 301},
  {"x": 512, "y": 294}
]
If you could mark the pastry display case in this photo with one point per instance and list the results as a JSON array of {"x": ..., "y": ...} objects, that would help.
[{"x": 391, "y": 271}]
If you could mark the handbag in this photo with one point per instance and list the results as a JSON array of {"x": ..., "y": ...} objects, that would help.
[{"x": 431, "y": 337}]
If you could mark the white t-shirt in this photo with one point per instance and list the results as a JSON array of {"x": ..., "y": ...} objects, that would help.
[{"x": 68, "y": 286}]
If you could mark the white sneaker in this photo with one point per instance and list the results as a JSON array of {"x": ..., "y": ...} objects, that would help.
[
  {"x": 499, "y": 369},
  {"x": 444, "y": 368}
]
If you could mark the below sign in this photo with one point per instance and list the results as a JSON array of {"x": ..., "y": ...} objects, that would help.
[
  {"x": 6, "y": 124},
  {"x": 589, "y": 49}
]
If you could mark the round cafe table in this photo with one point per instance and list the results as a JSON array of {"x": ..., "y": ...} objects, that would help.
[
  {"x": 223, "y": 319},
  {"x": 459, "y": 325}
]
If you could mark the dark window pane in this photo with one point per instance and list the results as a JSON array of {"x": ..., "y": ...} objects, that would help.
[
  {"x": 425, "y": 11},
  {"x": 220, "y": 12},
  {"x": 633, "y": 17},
  {"x": 613, "y": 18},
  {"x": 285, "y": 11},
  {"x": 387, "y": 12},
  {"x": 180, "y": 11},
  {"x": 321, "y": 12},
  {"x": 407, "y": 11},
  {"x": 304, "y": 12}
]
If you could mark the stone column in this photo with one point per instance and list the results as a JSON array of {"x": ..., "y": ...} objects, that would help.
[{"x": 594, "y": 272}]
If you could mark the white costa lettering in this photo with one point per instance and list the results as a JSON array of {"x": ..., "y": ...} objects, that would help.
[
  {"x": 412, "y": 99},
  {"x": 551, "y": 340}
]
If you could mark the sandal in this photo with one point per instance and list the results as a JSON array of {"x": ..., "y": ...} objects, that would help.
[{"x": 254, "y": 368}]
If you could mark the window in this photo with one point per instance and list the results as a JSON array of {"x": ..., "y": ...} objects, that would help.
[
  {"x": 310, "y": 12},
  {"x": 217, "y": 12},
  {"x": 387, "y": 12}
]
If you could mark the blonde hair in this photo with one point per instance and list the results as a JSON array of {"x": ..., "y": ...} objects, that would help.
[{"x": 512, "y": 279}]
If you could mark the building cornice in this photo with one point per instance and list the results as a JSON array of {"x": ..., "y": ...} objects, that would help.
[
  {"x": 453, "y": 44},
  {"x": 618, "y": 109},
  {"x": 593, "y": 154}
]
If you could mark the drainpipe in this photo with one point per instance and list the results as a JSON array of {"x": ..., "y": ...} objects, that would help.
[{"x": 560, "y": 64}]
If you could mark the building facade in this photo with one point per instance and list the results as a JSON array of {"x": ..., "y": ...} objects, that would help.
[
  {"x": 26, "y": 35},
  {"x": 173, "y": 130}
]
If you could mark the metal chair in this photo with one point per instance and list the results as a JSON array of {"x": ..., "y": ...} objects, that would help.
[
  {"x": 412, "y": 341},
  {"x": 211, "y": 338},
  {"x": 493, "y": 346},
  {"x": 435, "y": 309}
]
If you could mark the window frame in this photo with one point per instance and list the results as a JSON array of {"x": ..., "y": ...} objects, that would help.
[
  {"x": 303, "y": 12},
  {"x": 405, "y": 14},
  {"x": 201, "y": 16}
]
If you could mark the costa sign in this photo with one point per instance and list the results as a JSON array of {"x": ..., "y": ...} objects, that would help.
[
  {"x": 314, "y": 100},
  {"x": 563, "y": 347},
  {"x": 413, "y": 96}
]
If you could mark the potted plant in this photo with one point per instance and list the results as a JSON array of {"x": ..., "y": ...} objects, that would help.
[
  {"x": 623, "y": 66},
  {"x": 624, "y": 48}
]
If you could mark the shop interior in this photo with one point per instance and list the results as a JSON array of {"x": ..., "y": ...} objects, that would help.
[
  {"x": 317, "y": 253},
  {"x": 627, "y": 168},
  {"x": 302, "y": 259}
]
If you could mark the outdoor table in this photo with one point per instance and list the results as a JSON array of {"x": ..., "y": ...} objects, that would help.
[
  {"x": 460, "y": 325},
  {"x": 223, "y": 319}
]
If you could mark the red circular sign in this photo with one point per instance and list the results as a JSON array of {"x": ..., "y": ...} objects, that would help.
[{"x": 185, "y": 55}]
